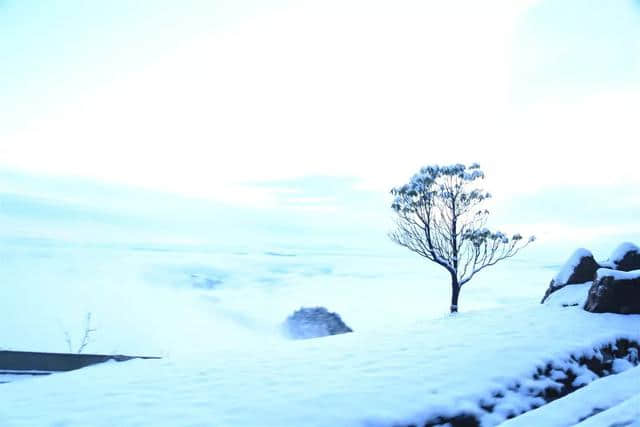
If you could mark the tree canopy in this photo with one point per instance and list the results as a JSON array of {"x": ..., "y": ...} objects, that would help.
[{"x": 439, "y": 217}]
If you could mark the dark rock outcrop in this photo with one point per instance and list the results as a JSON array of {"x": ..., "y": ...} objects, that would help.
[
  {"x": 614, "y": 292},
  {"x": 580, "y": 268},
  {"x": 626, "y": 257},
  {"x": 314, "y": 322}
]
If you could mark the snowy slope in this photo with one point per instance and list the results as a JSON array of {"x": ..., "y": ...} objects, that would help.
[
  {"x": 374, "y": 378},
  {"x": 208, "y": 287},
  {"x": 626, "y": 414},
  {"x": 602, "y": 394},
  {"x": 148, "y": 299}
]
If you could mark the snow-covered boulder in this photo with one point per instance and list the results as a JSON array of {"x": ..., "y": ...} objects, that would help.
[
  {"x": 580, "y": 268},
  {"x": 313, "y": 322},
  {"x": 625, "y": 257},
  {"x": 614, "y": 292},
  {"x": 569, "y": 296}
]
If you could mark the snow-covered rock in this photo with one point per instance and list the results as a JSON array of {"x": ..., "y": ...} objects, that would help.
[
  {"x": 614, "y": 292},
  {"x": 580, "y": 268},
  {"x": 625, "y": 257},
  {"x": 569, "y": 296},
  {"x": 314, "y": 322}
]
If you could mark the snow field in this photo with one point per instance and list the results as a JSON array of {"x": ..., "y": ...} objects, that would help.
[{"x": 433, "y": 368}]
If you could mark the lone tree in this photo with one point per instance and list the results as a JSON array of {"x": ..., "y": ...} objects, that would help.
[{"x": 439, "y": 218}]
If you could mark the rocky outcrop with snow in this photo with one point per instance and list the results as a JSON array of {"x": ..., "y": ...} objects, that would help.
[
  {"x": 314, "y": 322},
  {"x": 580, "y": 268},
  {"x": 614, "y": 291},
  {"x": 626, "y": 257},
  {"x": 611, "y": 286}
]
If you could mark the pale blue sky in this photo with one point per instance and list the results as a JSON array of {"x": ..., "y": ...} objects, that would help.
[
  {"x": 323, "y": 106},
  {"x": 53, "y": 52},
  {"x": 572, "y": 48}
]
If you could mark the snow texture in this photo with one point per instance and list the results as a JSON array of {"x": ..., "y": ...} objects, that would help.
[
  {"x": 9, "y": 376},
  {"x": 378, "y": 378},
  {"x": 617, "y": 275},
  {"x": 574, "y": 295},
  {"x": 626, "y": 414},
  {"x": 568, "y": 268},
  {"x": 599, "y": 395}
]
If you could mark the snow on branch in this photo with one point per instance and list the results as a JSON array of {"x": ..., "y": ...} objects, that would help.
[{"x": 439, "y": 216}]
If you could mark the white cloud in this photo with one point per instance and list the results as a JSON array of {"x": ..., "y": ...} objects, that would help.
[
  {"x": 367, "y": 89},
  {"x": 370, "y": 89}
]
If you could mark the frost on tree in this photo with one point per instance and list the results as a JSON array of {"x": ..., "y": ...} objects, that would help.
[{"x": 439, "y": 217}]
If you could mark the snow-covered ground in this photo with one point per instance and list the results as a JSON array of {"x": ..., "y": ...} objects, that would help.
[
  {"x": 390, "y": 376},
  {"x": 161, "y": 300},
  {"x": 211, "y": 302},
  {"x": 625, "y": 414}
]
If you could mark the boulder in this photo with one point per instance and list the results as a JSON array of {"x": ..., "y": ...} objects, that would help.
[
  {"x": 580, "y": 268},
  {"x": 625, "y": 257},
  {"x": 313, "y": 322},
  {"x": 614, "y": 291}
]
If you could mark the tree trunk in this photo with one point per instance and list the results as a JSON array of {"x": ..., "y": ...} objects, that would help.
[{"x": 455, "y": 293}]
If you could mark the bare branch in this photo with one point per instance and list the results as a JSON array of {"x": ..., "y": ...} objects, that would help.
[
  {"x": 67, "y": 339},
  {"x": 438, "y": 217},
  {"x": 86, "y": 338}
]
